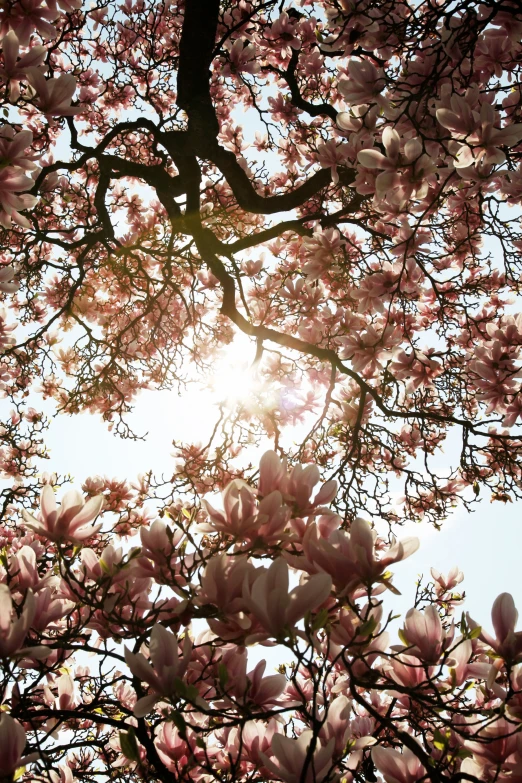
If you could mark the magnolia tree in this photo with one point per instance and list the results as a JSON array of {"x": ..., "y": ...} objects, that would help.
[{"x": 340, "y": 181}]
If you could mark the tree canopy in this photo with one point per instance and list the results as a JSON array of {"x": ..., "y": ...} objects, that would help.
[{"x": 339, "y": 181}]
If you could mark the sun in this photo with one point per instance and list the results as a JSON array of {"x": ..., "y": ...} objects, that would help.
[{"x": 234, "y": 379}]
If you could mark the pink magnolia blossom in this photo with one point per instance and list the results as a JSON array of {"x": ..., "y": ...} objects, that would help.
[
  {"x": 252, "y": 687},
  {"x": 159, "y": 546},
  {"x": 296, "y": 763},
  {"x": 68, "y": 523},
  {"x": 504, "y": 616},
  {"x": 443, "y": 584},
  {"x": 282, "y": 35},
  {"x": 7, "y": 285},
  {"x": 362, "y": 543},
  {"x": 457, "y": 112},
  {"x": 481, "y": 131},
  {"x": 156, "y": 541},
  {"x": 257, "y": 738},
  {"x": 13, "y": 199},
  {"x": 300, "y": 484},
  {"x": 364, "y": 84},
  {"x": 65, "y": 699},
  {"x": 494, "y": 744},
  {"x": 50, "y": 607},
  {"x": 362, "y": 667},
  {"x": 461, "y": 668},
  {"x": 174, "y": 750},
  {"x": 26, "y": 569},
  {"x": 107, "y": 565},
  {"x": 272, "y": 472},
  {"x": 398, "y": 767},
  {"x": 368, "y": 350},
  {"x": 66, "y": 5},
  {"x": 64, "y": 775},
  {"x": 404, "y": 175},
  {"x": 424, "y": 635},
  {"x": 240, "y": 510},
  {"x": 331, "y": 155},
  {"x": 13, "y": 148},
  {"x": 223, "y": 584},
  {"x": 14, "y": 70},
  {"x": 358, "y": 120},
  {"x": 351, "y": 413},
  {"x": 295, "y": 486},
  {"x": 265, "y": 691},
  {"x": 419, "y": 368},
  {"x": 321, "y": 250},
  {"x": 242, "y": 59},
  {"x": 375, "y": 289},
  {"x": 54, "y": 95},
  {"x": 408, "y": 671},
  {"x": 349, "y": 623},
  {"x": 14, "y": 630},
  {"x": 12, "y": 744},
  {"x": 513, "y": 411},
  {"x": 168, "y": 666},
  {"x": 278, "y": 610},
  {"x": 350, "y": 558},
  {"x": 494, "y": 373},
  {"x": 514, "y": 703},
  {"x": 508, "y": 332},
  {"x": 28, "y": 16},
  {"x": 252, "y": 268},
  {"x": 337, "y": 726},
  {"x": 272, "y": 519}
]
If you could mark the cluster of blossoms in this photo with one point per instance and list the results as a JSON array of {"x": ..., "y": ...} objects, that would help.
[
  {"x": 140, "y": 227},
  {"x": 275, "y": 567},
  {"x": 24, "y": 75},
  {"x": 390, "y": 134}
]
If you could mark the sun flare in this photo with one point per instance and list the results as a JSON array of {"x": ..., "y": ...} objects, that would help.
[{"x": 234, "y": 380}]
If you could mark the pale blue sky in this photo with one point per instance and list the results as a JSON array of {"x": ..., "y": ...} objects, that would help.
[{"x": 486, "y": 545}]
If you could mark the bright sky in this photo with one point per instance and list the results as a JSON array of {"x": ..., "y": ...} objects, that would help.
[{"x": 485, "y": 545}]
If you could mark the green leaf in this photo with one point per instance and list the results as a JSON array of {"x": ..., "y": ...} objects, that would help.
[
  {"x": 129, "y": 746},
  {"x": 180, "y": 688},
  {"x": 440, "y": 739},
  {"x": 386, "y": 581},
  {"x": 475, "y": 632},
  {"x": 104, "y": 567},
  {"x": 179, "y": 722},
  {"x": 223, "y": 675},
  {"x": 185, "y": 691},
  {"x": 403, "y": 638},
  {"x": 367, "y": 628},
  {"x": 192, "y": 692},
  {"x": 320, "y": 620},
  {"x": 462, "y": 753}
]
